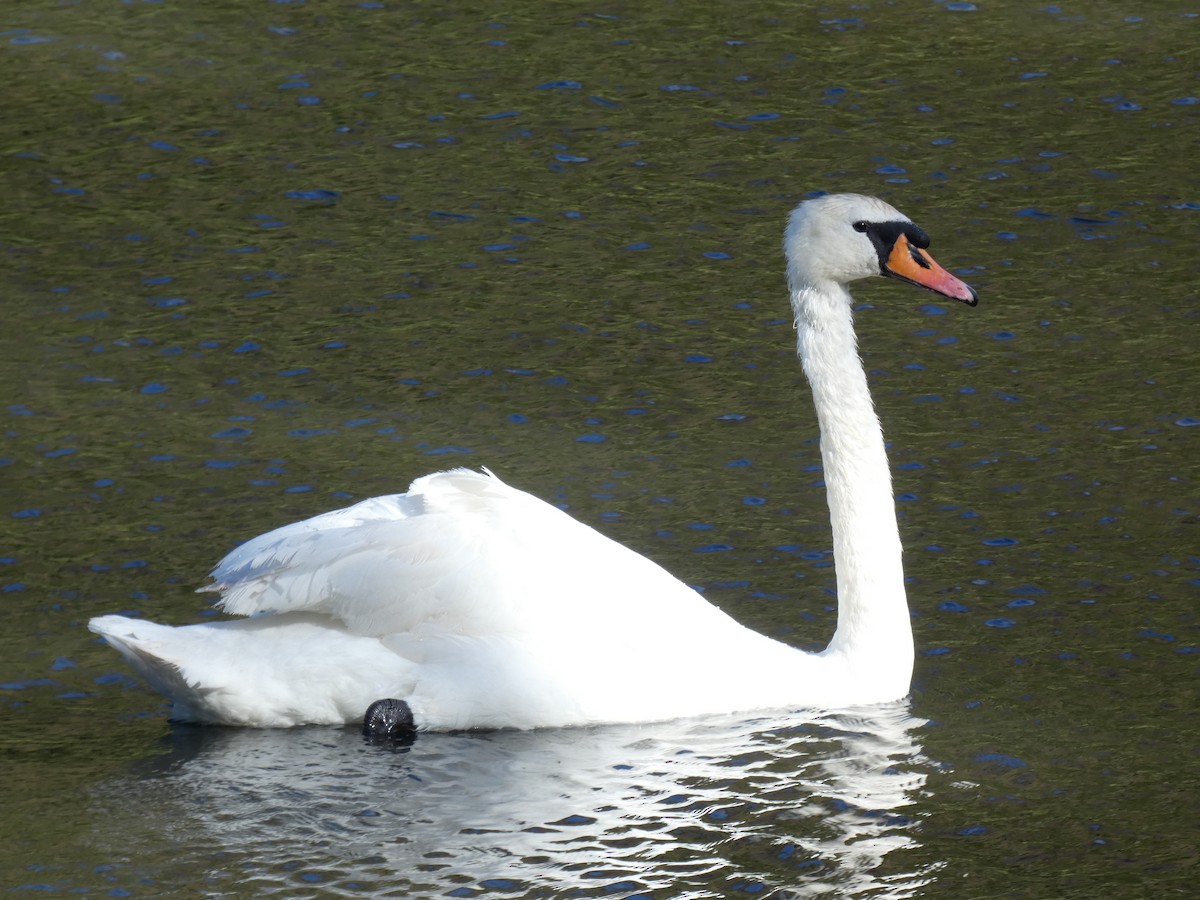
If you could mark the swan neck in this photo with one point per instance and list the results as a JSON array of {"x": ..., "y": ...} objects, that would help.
[{"x": 873, "y": 619}]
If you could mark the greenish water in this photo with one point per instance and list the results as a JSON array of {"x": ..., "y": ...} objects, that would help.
[{"x": 262, "y": 259}]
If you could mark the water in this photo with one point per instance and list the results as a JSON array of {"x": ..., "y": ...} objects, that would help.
[
  {"x": 619, "y": 810},
  {"x": 261, "y": 261}
]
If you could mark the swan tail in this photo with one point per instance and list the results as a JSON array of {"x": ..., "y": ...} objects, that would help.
[
  {"x": 146, "y": 647},
  {"x": 261, "y": 672}
]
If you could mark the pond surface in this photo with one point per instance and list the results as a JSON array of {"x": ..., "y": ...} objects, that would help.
[{"x": 264, "y": 259}]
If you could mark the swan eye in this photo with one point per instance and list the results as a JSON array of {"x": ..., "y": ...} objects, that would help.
[{"x": 861, "y": 226}]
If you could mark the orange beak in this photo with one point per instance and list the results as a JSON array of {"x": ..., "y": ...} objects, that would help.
[{"x": 914, "y": 265}]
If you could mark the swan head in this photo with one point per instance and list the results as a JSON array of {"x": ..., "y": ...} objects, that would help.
[{"x": 839, "y": 238}]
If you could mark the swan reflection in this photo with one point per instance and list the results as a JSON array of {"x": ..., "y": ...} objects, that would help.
[{"x": 801, "y": 806}]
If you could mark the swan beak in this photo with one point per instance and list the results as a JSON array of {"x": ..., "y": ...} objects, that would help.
[{"x": 914, "y": 265}]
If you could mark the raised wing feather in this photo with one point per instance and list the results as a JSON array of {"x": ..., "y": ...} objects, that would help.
[{"x": 462, "y": 553}]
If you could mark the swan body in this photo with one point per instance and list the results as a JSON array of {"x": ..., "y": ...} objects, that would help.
[{"x": 480, "y": 606}]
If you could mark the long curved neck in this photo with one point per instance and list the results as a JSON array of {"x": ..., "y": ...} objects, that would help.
[{"x": 873, "y": 629}]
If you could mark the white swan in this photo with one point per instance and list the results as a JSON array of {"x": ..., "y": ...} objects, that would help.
[{"x": 481, "y": 606}]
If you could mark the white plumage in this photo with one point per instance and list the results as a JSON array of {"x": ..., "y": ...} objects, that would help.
[{"x": 482, "y": 606}]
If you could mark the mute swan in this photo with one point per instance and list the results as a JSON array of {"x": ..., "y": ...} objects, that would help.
[{"x": 480, "y": 606}]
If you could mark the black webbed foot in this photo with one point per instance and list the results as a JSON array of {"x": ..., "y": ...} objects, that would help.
[{"x": 389, "y": 720}]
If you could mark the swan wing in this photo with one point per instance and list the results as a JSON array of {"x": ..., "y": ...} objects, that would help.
[{"x": 460, "y": 553}]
